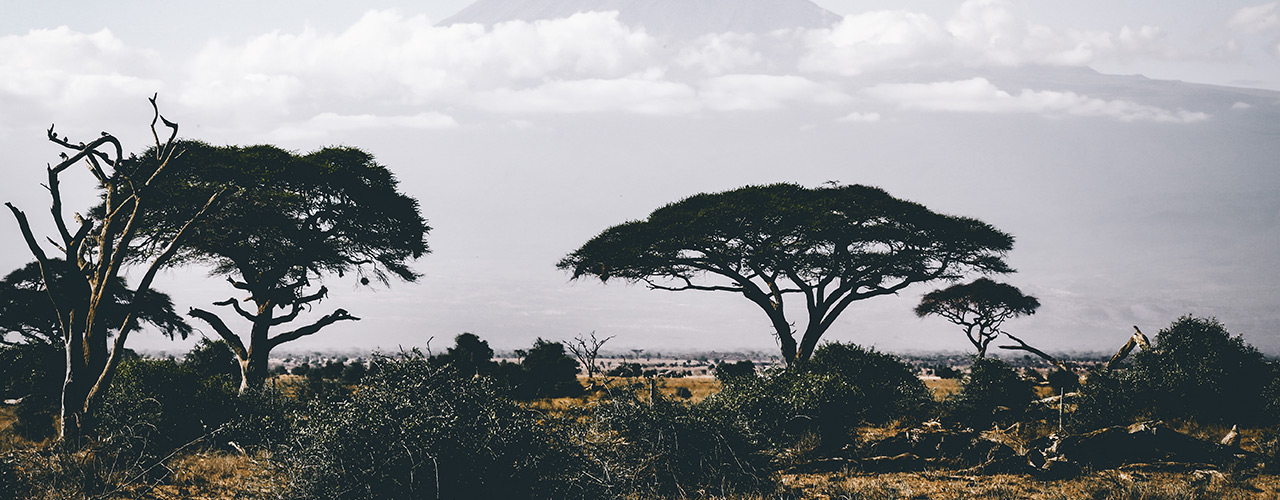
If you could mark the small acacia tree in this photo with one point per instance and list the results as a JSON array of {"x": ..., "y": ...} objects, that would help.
[
  {"x": 469, "y": 356},
  {"x": 297, "y": 218},
  {"x": 84, "y": 282},
  {"x": 981, "y": 307},
  {"x": 27, "y": 315},
  {"x": 830, "y": 246}
]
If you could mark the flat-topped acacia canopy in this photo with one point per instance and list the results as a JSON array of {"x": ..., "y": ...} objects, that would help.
[{"x": 829, "y": 246}]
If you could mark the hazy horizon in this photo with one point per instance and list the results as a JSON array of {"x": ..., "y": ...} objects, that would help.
[{"x": 1130, "y": 149}]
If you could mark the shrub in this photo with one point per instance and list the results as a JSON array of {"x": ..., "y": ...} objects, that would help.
[
  {"x": 353, "y": 372},
  {"x": 1107, "y": 398},
  {"x": 213, "y": 360},
  {"x": 842, "y": 386},
  {"x": 469, "y": 355},
  {"x": 992, "y": 388},
  {"x": 34, "y": 368},
  {"x": 33, "y": 372},
  {"x": 627, "y": 370},
  {"x": 890, "y": 388},
  {"x": 10, "y": 484},
  {"x": 546, "y": 371},
  {"x": 744, "y": 368},
  {"x": 670, "y": 449},
  {"x": 35, "y": 416},
  {"x": 1196, "y": 369},
  {"x": 162, "y": 404},
  {"x": 415, "y": 431}
]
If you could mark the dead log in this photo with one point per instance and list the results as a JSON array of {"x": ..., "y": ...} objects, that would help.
[{"x": 1135, "y": 340}]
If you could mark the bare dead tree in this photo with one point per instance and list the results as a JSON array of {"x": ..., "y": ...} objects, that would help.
[
  {"x": 587, "y": 351},
  {"x": 1138, "y": 339},
  {"x": 93, "y": 258},
  {"x": 1023, "y": 346}
]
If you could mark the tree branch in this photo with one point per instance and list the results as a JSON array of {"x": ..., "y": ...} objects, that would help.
[
  {"x": 227, "y": 335},
  {"x": 235, "y": 304},
  {"x": 1022, "y": 346},
  {"x": 83, "y": 150},
  {"x": 339, "y": 315}
]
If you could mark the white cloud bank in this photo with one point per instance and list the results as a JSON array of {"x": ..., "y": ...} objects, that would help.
[
  {"x": 388, "y": 69},
  {"x": 978, "y": 95},
  {"x": 1255, "y": 19},
  {"x": 71, "y": 67}
]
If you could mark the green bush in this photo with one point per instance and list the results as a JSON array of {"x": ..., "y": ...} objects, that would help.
[
  {"x": 842, "y": 386},
  {"x": 627, "y": 370},
  {"x": 890, "y": 388},
  {"x": 415, "y": 431},
  {"x": 163, "y": 404},
  {"x": 1197, "y": 370},
  {"x": 33, "y": 372},
  {"x": 213, "y": 360},
  {"x": 743, "y": 368},
  {"x": 1107, "y": 398},
  {"x": 992, "y": 392},
  {"x": 664, "y": 448},
  {"x": 469, "y": 355},
  {"x": 547, "y": 372},
  {"x": 35, "y": 417}
]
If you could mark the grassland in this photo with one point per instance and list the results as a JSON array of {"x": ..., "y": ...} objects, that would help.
[{"x": 217, "y": 473}]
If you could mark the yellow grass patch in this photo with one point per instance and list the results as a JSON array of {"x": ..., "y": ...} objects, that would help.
[{"x": 942, "y": 387}]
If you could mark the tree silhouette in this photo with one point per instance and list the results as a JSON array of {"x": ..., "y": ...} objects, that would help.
[
  {"x": 981, "y": 307},
  {"x": 295, "y": 219},
  {"x": 469, "y": 356},
  {"x": 106, "y": 244},
  {"x": 831, "y": 246},
  {"x": 28, "y": 316}
]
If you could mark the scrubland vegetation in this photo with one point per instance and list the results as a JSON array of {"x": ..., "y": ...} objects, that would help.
[
  {"x": 1194, "y": 415},
  {"x": 459, "y": 425}
]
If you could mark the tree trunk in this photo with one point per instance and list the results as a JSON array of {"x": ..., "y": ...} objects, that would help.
[
  {"x": 253, "y": 369},
  {"x": 73, "y": 422},
  {"x": 809, "y": 342}
]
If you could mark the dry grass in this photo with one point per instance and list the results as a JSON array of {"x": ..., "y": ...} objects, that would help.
[
  {"x": 942, "y": 387},
  {"x": 223, "y": 475},
  {"x": 210, "y": 475},
  {"x": 1105, "y": 485},
  {"x": 699, "y": 388}
]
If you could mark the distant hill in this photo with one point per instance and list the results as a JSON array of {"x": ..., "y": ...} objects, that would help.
[{"x": 676, "y": 18}]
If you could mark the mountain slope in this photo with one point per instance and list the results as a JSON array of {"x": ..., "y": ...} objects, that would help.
[{"x": 678, "y": 18}]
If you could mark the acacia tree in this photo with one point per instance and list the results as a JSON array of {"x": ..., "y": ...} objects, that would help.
[
  {"x": 981, "y": 307},
  {"x": 295, "y": 220},
  {"x": 829, "y": 246},
  {"x": 27, "y": 316},
  {"x": 84, "y": 283}
]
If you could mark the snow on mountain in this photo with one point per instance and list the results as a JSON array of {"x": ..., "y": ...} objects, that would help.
[{"x": 678, "y": 18}]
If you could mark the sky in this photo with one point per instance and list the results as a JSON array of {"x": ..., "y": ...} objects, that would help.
[{"x": 1131, "y": 149}]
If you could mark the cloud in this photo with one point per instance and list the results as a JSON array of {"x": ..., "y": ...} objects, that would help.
[
  {"x": 765, "y": 92},
  {"x": 981, "y": 33},
  {"x": 387, "y": 67},
  {"x": 326, "y": 123},
  {"x": 386, "y": 59},
  {"x": 876, "y": 40},
  {"x": 860, "y": 117},
  {"x": 1255, "y": 19},
  {"x": 978, "y": 95},
  {"x": 69, "y": 69},
  {"x": 643, "y": 94},
  {"x": 720, "y": 53}
]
